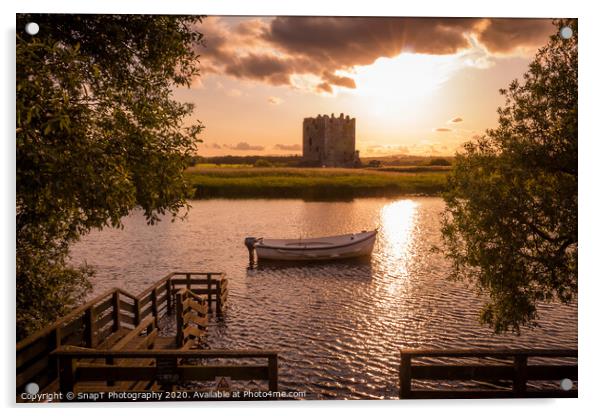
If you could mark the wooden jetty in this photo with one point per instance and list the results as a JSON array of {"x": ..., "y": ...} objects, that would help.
[
  {"x": 505, "y": 373},
  {"x": 112, "y": 342}
]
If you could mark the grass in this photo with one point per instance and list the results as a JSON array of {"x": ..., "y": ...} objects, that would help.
[{"x": 312, "y": 183}]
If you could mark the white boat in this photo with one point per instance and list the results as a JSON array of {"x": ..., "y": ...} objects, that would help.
[{"x": 323, "y": 248}]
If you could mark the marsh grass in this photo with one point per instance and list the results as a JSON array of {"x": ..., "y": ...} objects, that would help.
[{"x": 311, "y": 183}]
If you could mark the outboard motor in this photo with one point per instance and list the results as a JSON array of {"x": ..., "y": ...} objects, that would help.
[{"x": 250, "y": 243}]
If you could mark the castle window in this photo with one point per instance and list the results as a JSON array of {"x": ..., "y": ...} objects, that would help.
[{"x": 310, "y": 141}]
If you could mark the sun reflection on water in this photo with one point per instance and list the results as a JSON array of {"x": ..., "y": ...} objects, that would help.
[{"x": 398, "y": 229}]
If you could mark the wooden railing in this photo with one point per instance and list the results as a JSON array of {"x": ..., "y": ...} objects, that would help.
[
  {"x": 497, "y": 373},
  {"x": 76, "y": 366},
  {"x": 191, "y": 318},
  {"x": 93, "y": 324}
]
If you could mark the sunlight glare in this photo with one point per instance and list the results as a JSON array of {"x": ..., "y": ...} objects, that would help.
[
  {"x": 391, "y": 84},
  {"x": 398, "y": 224}
]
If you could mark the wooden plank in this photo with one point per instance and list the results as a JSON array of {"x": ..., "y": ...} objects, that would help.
[
  {"x": 103, "y": 321},
  {"x": 108, "y": 342},
  {"x": 197, "y": 320},
  {"x": 128, "y": 307},
  {"x": 199, "y": 298},
  {"x": 116, "y": 311},
  {"x": 162, "y": 287},
  {"x": 121, "y": 372},
  {"x": 193, "y": 281},
  {"x": 75, "y": 325},
  {"x": 70, "y": 351},
  {"x": 145, "y": 312},
  {"x": 405, "y": 377},
  {"x": 89, "y": 322},
  {"x": 162, "y": 343},
  {"x": 31, "y": 371},
  {"x": 127, "y": 319},
  {"x": 162, "y": 301},
  {"x": 189, "y": 344},
  {"x": 489, "y": 352},
  {"x": 145, "y": 300},
  {"x": 489, "y": 394},
  {"x": 519, "y": 383},
  {"x": 102, "y": 334},
  {"x": 192, "y": 331},
  {"x": 201, "y": 309},
  {"x": 273, "y": 373},
  {"x": 75, "y": 338},
  {"x": 551, "y": 372},
  {"x": 210, "y": 372},
  {"x": 44, "y": 345},
  {"x": 104, "y": 306},
  {"x": 69, "y": 317},
  {"x": 461, "y": 372},
  {"x": 146, "y": 323}
]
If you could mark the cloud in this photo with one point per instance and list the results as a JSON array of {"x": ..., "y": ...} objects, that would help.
[
  {"x": 245, "y": 146},
  {"x": 443, "y": 130},
  {"x": 506, "y": 35},
  {"x": 455, "y": 120},
  {"x": 278, "y": 50},
  {"x": 274, "y": 100},
  {"x": 288, "y": 147}
]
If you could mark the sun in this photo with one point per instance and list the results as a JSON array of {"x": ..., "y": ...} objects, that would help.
[{"x": 400, "y": 83}]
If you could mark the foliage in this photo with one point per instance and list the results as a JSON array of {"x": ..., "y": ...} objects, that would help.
[
  {"x": 439, "y": 162},
  {"x": 263, "y": 163},
  {"x": 98, "y": 134},
  {"x": 510, "y": 224}
]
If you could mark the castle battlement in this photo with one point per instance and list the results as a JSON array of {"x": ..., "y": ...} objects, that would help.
[{"x": 329, "y": 141}]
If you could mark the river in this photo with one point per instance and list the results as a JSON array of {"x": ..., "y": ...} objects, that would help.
[{"x": 338, "y": 326}]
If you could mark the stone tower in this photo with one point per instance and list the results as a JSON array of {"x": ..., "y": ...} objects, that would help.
[{"x": 329, "y": 141}]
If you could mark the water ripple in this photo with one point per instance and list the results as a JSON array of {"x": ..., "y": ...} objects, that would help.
[{"x": 338, "y": 326}]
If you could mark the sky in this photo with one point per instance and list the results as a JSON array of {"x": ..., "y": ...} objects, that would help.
[{"x": 419, "y": 86}]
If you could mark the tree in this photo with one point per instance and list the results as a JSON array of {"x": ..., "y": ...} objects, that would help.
[
  {"x": 98, "y": 134},
  {"x": 510, "y": 224}
]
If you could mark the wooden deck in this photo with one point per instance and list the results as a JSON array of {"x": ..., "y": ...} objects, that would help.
[
  {"x": 117, "y": 333},
  {"x": 509, "y": 373}
]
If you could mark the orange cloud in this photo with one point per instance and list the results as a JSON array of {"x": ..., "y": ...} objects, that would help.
[{"x": 272, "y": 50}]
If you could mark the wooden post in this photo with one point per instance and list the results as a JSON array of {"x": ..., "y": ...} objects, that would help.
[
  {"x": 53, "y": 363},
  {"x": 218, "y": 296},
  {"x": 273, "y": 372},
  {"x": 209, "y": 295},
  {"x": 179, "y": 320},
  {"x": 187, "y": 280},
  {"x": 155, "y": 307},
  {"x": 116, "y": 311},
  {"x": 519, "y": 385},
  {"x": 110, "y": 361},
  {"x": 169, "y": 297},
  {"x": 89, "y": 318},
  {"x": 136, "y": 311},
  {"x": 405, "y": 377},
  {"x": 66, "y": 374}
]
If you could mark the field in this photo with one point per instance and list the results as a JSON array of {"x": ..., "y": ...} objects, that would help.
[{"x": 240, "y": 181}]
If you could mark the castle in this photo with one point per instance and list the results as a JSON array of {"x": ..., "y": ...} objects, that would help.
[{"x": 330, "y": 141}]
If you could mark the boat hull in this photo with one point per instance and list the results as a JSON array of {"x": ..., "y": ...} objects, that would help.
[{"x": 326, "y": 248}]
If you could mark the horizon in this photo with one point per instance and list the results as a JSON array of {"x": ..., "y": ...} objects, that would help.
[{"x": 261, "y": 76}]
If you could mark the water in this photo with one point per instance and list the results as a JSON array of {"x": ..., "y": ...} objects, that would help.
[{"x": 338, "y": 326}]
